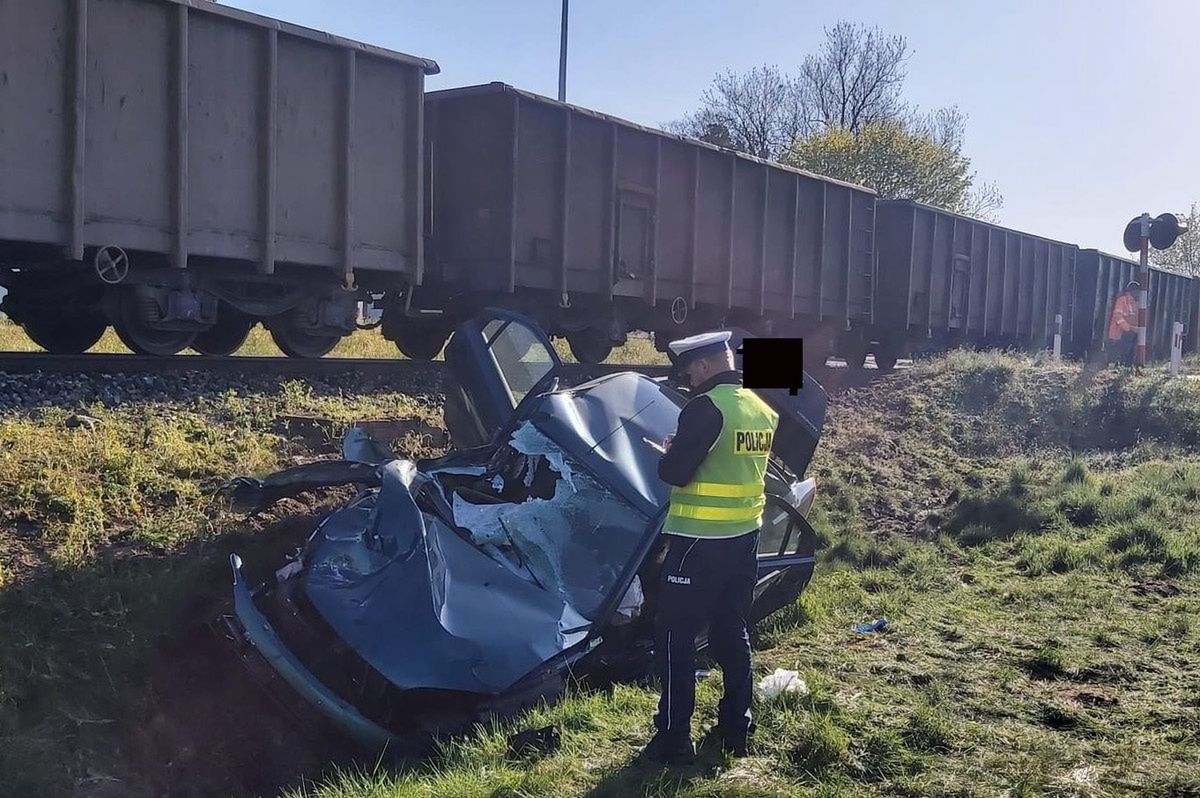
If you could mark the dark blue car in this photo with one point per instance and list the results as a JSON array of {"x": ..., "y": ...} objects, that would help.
[{"x": 471, "y": 586}]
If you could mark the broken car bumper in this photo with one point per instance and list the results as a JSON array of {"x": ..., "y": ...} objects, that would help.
[{"x": 257, "y": 638}]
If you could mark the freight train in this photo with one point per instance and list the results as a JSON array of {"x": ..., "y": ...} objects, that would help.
[{"x": 230, "y": 170}]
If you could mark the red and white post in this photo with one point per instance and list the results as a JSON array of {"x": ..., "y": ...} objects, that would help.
[{"x": 1143, "y": 293}]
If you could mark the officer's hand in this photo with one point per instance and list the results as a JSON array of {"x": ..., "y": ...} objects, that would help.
[{"x": 666, "y": 444}]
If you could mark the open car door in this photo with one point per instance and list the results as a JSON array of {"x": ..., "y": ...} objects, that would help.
[{"x": 495, "y": 360}]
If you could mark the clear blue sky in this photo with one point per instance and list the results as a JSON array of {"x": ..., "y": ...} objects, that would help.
[{"x": 1052, "y": 88}]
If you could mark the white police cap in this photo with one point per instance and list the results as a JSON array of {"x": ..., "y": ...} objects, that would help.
[{"x": 699, "y": 346}]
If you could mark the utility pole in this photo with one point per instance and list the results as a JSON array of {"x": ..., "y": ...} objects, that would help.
[{"x": 562, "y": 57}]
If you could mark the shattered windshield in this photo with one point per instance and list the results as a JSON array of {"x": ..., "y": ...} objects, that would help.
[{"x": 575, "y": 543}]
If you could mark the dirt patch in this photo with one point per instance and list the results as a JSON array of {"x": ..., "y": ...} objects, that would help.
[
  {"x": 1156, "y": 587},
  {"x": 1090, "y": 696},
  {"x": 197, "y": 724},
  {"x": 207, "y": 729},
  {"x": 22, "y": 555}
]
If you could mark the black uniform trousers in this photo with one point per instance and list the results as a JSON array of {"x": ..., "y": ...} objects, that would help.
[
  {"x": 1122, "y": 350},
  {"x": 705, "y": 582}
]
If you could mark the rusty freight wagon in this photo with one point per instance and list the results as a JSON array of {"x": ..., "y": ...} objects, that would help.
[
  {"x": 945, "y": 280},
  {"x": 182, "y": 170},
  {"x": 1100, "y": 277},
  {"x": 597, "y": 226}
]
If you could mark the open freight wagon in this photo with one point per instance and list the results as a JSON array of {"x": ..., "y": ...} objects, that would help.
[
  {"x": 946, "y": 280},
  {"x": 597, "y": 226},
  {"x": 182, "y": 170},
  {"x": 1172, "y": 298}
]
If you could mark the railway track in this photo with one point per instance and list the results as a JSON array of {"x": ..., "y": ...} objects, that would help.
[
  {"x": 835, "y": 377},
  {"x": 34, "y": 362}
]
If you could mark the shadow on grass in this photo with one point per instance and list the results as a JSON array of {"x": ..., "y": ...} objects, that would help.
[
  {"x": 640, "y": 777},
  {"x": 110, "y": 686}
]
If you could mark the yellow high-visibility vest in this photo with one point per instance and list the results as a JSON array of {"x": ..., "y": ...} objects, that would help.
[{"x": 726, "y": 496}]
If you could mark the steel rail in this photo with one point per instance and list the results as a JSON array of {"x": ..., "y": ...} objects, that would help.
[{"x": 32, "y": 362}]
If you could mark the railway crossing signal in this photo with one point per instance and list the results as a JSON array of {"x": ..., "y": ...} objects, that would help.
[{"x": 1142, "y": 232}]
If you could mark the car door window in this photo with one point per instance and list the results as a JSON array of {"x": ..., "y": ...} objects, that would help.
[
  {"x": 520, "y": 356},
  {"x": 785, "y": 537},
  {"x": 777, "y": 525}
]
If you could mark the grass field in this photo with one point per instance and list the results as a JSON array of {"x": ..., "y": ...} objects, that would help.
[
  {"x": 363, "y": 343},
  {"x": 1029, "y": 531}
]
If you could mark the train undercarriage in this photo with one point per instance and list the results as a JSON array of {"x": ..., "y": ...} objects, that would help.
[
  {"x": 65, "y": 307},
  {"x": 420, "y": 321},
  {"x": 210, "y": 307}
]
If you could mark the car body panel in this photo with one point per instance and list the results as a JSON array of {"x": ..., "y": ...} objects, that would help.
[
  {"x": 497, "y": 359},
  {"x": 252, "y": 629},
  {"x": 610, "y": 424},
  {"x": 423, "y": 606}
]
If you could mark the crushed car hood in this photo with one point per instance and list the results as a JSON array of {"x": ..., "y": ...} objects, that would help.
[
  {"x": 423, "y": 606},
  {"x": 608, "y": 423}
]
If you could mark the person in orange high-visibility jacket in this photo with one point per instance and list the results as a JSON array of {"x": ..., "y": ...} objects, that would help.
[{"x": 1121, "y": 341}]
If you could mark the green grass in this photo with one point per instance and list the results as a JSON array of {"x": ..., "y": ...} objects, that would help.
[
  {"x": 1028, "y": 530},
  {"x": 110, "y": 525}
]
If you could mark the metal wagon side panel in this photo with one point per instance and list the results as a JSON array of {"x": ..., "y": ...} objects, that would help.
[
  {"x": 1102, "y": 276},
  {"x": 37, "y": 55},
  {"x": 184, "y": 129},
  {"x": 603, "y": 209},
  {"x": 961, "y": 280}
]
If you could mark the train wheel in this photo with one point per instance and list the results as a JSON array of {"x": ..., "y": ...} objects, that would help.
[
  {"x": 420, "y": 341},
  {"x": 856, "y": 356},
  {"x": 295, "y": 341},
  {"x": 885, "y": 361},
  {"x": 227, "y": 335},
  {"x": 590, "y": 346},
  {"x": 140, "y": 336},
  {"x": 66, "y": 334}
]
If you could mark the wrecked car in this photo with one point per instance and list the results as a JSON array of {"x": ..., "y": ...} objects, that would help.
[{"x": 479, "y": 583}]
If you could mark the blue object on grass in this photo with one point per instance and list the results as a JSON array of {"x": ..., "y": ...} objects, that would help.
[{"x": 877, "y": 625}]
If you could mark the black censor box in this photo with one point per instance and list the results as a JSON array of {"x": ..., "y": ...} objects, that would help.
[{"x": 773, "y": 363}]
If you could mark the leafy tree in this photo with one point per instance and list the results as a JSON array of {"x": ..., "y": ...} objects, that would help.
[
  {"x": 1184, "y": 256},
  {"x": 919, "y": 159}
]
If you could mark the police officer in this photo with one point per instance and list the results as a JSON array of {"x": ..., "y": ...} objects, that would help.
[{"x": 715, "y": 463}]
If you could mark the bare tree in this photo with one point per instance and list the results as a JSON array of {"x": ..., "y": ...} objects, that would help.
[
  {"x": 947, "y": 129},
  {"x": 982, "y": 200},
  {"x": 856, "y": 79},
  {"x": 756, "y": 111}
]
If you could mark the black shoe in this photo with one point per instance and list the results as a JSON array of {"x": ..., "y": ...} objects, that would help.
[
  {"x": 733, "y": 743},
  {"x": 669, "y": 750}
]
